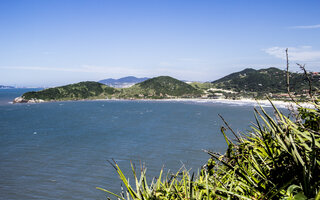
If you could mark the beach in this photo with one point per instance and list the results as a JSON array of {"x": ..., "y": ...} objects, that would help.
[{"x": 263, "y": 103}]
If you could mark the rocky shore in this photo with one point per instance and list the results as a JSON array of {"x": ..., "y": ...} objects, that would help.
[{"x": 23, "y": 100}]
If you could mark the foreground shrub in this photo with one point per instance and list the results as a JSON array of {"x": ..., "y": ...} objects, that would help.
[{"x": 277, "y": 159}]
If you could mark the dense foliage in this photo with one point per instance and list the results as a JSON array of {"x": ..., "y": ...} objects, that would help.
[
  {"x": 170, "y": 86},
  {"x": 278, "y": 159},
  {"x": 160, "y": 87},
  {"x": 82, "y": 90},
  {"x": 270, "y": 80},
  {"x": 155, "y": 88}
]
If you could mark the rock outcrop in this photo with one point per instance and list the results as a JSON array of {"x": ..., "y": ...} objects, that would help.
[
  {"x": 20, "y": 100},
  {"x": 23, "y": 100}
]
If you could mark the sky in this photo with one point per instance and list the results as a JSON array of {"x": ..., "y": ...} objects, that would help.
[{"x": 54, "y": 42}]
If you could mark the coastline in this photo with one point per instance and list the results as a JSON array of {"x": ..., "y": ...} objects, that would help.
[{"x": 263, "y": 103}]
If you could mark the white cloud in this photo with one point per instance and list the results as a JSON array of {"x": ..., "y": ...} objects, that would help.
[
  {"x": 84, "y": 68},
  {"x": 306, "y": 27},
  {"x": 36, "y": 68},
  {"x": 302, "y": 53}
]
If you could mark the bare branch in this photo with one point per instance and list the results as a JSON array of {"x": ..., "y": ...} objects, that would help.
[
  {"x": 309, "y": 80},
  {"x": 288, "y": 80}
]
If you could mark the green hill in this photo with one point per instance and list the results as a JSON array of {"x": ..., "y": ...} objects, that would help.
[
  {"x": 247, "y": 83},
  {"x": 169, "y": 86},
  {"x": 160, "y": 87},
  {"x": 77, "y": 91},
  {"x": 270, "y": 80},
  {"x": 155, "y": 88}
]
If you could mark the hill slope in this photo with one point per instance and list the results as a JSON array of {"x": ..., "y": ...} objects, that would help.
[
  {"x": 264, "y": 81},
  {"x": 161, "y": 87},
  {"x": 168, "y": 85},
  {"x": 77, "y": 91},
  {"x": 155, "y": 88}
]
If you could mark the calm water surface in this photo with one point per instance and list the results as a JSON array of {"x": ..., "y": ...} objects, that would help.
[{"x": 60, "y": 150}]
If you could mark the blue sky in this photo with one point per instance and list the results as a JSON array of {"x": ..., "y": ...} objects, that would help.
[{"x": 54, "y": 42}]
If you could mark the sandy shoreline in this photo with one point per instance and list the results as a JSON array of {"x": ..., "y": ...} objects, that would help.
[
  {"x": 240, "y": 102},
  {"x": 263, "y": 103}
]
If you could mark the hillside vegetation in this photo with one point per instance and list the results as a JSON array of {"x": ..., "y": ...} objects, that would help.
[
  {"x": 155, "y": 88},
  {"x": 161, "y": 87},
  {"x": 78, "y": 91},
  {"x": 270, "y": 80}
]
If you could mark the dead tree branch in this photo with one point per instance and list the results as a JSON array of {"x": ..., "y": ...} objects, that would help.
[{"x": 288, "y": 80}]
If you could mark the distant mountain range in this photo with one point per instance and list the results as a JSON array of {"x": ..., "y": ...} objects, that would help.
[
  {"x": 124, "y": 82},
  {"x": 6, "y": 87},
  {"x": 248, "y": 83}
]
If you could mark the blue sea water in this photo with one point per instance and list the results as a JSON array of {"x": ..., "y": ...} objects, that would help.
[{"x": 59, "y": 150}]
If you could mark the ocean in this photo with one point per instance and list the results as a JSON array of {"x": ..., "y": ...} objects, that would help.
[{"x": 60, "y": 150}]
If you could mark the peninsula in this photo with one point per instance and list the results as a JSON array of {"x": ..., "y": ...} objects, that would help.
[{"x": 248, "y": 83}]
